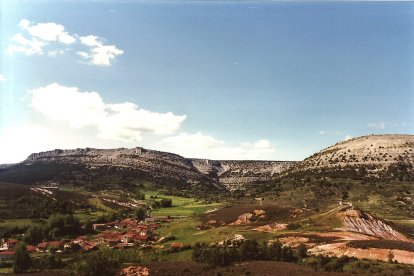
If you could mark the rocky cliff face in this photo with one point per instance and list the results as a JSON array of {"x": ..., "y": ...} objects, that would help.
[{"x": 229, "y": 175}]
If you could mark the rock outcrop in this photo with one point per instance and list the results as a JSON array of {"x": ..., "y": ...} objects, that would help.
[{"x": 357, "y": 221}]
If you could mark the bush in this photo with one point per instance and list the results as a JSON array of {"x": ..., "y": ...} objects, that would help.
[
  {"x": 22, "y": 260},
  {"x": 97, "y": 264},
  {"x": 166, "y": 202},
  {"x": 140, "y": 214}
]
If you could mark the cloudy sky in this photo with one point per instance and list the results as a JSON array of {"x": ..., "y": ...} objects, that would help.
[{"x": 221, "y": 80}]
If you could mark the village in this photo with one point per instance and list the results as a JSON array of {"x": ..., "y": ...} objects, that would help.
[{"x": 116, "y": 234}]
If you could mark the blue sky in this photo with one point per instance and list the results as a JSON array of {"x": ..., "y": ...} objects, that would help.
[{"x": 221, "y": 80}]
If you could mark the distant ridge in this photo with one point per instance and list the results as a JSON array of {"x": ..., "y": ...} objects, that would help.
[{"x": 148, "y": 164}]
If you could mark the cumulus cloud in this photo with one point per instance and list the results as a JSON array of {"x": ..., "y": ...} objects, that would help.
[
  {"x": 322, "y": 132},
  {"x": 14, "y": 146},
  {"x": 101, "y": 55},
  {"x": 26, "y": 46},
  {"x": 47, "y": 31},
  {"x": 380, "y": 125},
  {"x": 124, "y": 121},
  {"x": 192, "y": 141},
  {"x": 39, "y": 36},
  {"x": 199, "y": 145}
]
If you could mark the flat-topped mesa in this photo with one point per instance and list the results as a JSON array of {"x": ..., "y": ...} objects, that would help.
[{"x": 229, "y": 174}]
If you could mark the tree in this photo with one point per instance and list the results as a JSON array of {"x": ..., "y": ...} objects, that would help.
[
  {"x": 22, "y": 259},
  {"x": 139, "y": 195},
  {"x": 302, "y": 251},
  {"x": 287, "y": 254},
  {"x": 140, "y": 214},
  {"x": 34, "y": 234},
  {"x": 166, "y": 202},
  {"x": 97, "y": 264},
  {"x": 390, "y": 256}
]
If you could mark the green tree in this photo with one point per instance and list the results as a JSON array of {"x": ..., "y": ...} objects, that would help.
[
  {"x": 22, "y": 259},
  {"x": 166, "y": 202},
  {"x": 140, "y": 213},
  {"x": 302, "y": 251},
  {"x": 139, "y": 195},
  {"x": 34, "y": 234},
  {"x": 97, "y": 264}
]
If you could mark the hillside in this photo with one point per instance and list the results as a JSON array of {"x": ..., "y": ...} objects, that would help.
[
  {"x": 127, "y": 166},
  {"x": 374, "y": 156}
]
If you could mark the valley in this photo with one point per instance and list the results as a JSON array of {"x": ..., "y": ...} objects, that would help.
[{"x": 129, "y": 210}]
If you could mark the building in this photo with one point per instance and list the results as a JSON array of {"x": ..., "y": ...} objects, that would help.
[
  {"x": 10, "y": 244},
  {"x": 99, "y": 226},
  {"x": 7, "y": 255},
  {"x": 45, "y": 246}
]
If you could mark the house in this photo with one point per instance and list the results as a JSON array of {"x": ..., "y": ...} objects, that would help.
[
  {"x": 45, "y": 246},
  {"x": 10, "y": 243},
  {"x": 7, "y": 255},
  {"x": 129, "y": 237},
  {"x": 113, "y": 241},
  {"x": 128, "y": 223},
  {"x": 88, "y": 246},
  {"x": 31, "y": 248},
  {"x": 109, "y": 238},
  {"x": 99, "y": 226},
  {"x": 80, "y": 245}
]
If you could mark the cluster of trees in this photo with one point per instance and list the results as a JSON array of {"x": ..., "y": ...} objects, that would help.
[
  {"x": 139, "y": 195},
  {"x": 56, "y": 227},
  {"x": 247, "y": 250},
  {"x": 97, "y": 263},
  {"x": 163, "y": 203},
  {"x": 23, "y": 262}
]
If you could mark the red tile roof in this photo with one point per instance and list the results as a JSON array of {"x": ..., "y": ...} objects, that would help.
[{"x": 8, "y": 253}]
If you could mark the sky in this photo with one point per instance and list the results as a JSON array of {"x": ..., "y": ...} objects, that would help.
[{"x": 262, "y": 80}]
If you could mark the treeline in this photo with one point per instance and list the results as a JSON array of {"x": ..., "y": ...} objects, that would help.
[
  {"x": 248, "y": 250},
  {"x": 56, "y": 227}
]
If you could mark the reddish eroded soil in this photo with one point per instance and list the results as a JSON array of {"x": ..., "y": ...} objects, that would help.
[
  {"x": 230, "y": 214},
  {"x": 134, "y": 271},
  {"x": 357, "y": 221},
  {"x": 361, "y": 236}
]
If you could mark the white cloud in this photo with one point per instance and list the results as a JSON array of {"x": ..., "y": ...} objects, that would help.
[
  {"x": 380, "y": 125},
  {"x": 99, "y": 54},
  {"x": 2, "y": 78},
  {"x": 91, "y": 40},
  {"x": 56, "y": 53},
  {"x": 322, "y": 132},
  {"x": 26, "y": 46},
  {"x": 124, "y": 122},
  {"x": 16, "y": 143},
  {"x": 41, "y": 35},
  {"x": 61, "y": 103},
  {"x": 199, "y": 145},
  {"x": 47, "y": 31},
  {"x": 196, "y": 141}
]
